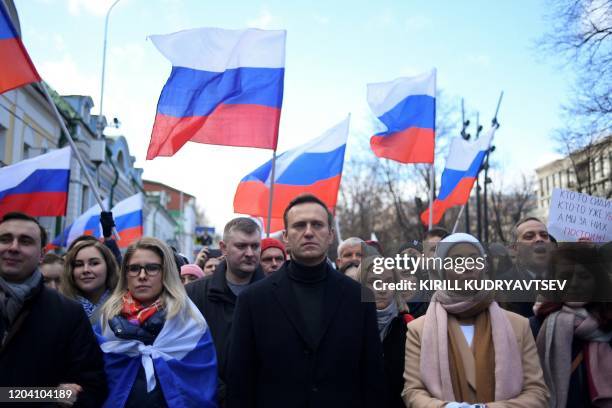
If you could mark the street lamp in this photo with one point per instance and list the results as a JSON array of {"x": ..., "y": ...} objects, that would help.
[{"x": 100, "y": 126}]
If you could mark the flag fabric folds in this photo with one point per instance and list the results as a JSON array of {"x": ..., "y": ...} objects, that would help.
[
  {"x": 407, "y": 107},
  {"x": 128, "y": 223},
  {"x": 225, "y": 88},
  {"x": 16, "y": 68},
  {"x": 182, "y": 360},
  {"x": 37, "y": 186},
  {"x": 315, "y": 167},
  {"x": 462, "y": 166}
]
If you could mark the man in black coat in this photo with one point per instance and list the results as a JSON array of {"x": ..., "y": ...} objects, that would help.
[
  {"x": 215, "y": 296},
  {"x": 303, "y": 337},
  {"x": 46, "y": 339}
]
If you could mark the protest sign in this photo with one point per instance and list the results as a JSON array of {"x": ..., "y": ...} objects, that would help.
[{"x": 576, "y": 215}]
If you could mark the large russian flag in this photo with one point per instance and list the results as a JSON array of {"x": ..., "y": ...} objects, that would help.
[
  {"x": 462, "y": 167},
  {"x": 16, "y": 68},
  {"x": 315, "y": 167},
  {"x": 407, "y": 107},
  {"x": 225, "y": 88},
  {"x": 128, "y": 219},
  {"x": 37, "y": 186}
]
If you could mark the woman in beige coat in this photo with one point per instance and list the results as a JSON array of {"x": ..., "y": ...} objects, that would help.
[{"x": 474, "y": 353}]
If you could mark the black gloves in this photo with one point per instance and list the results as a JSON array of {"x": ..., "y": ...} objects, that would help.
[{"x": 106, "y": 219}]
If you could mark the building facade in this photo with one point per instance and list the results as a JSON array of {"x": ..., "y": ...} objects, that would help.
[{"x": 586, "y": 171}]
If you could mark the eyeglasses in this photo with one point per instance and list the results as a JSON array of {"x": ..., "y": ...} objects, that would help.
[{"x": 152, "y": 269}]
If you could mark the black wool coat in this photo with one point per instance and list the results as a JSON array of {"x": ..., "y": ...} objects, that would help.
[
  {"x": 273, "y": 363},
  {"x": 52, "y": 343}
]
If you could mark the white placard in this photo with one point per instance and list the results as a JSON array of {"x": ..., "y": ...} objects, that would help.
[{"x": 576, "y": 215}]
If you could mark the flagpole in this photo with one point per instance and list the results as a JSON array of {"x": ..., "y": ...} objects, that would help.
[
  {"x": 431, "y": 195},
  {"x": 272, "y": 175},
  {"x": 338, "y": 233},
  {"x": 458, "y": 218},
  {"x": 432, "y": 176},
  {"x": 76, "y": 152}
]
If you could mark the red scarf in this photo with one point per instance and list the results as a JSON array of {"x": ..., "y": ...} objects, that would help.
[{"x": 135, "y": 312}]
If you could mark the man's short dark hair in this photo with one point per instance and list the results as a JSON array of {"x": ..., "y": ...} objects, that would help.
[
  {"x": 24, "y": 217},
  {"x": 304, "y": 199},
  {"x": 51, "y": 258},
  {"x": 242, "y": 224},
  {"x": 514, "y": 231},
  {"x": 436, "y": 232}
]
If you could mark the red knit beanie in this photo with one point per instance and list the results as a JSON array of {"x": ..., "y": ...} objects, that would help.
[{"x": 272, "y": 243}]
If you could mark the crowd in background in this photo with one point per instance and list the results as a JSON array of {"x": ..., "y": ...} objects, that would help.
[{"x": 278, "y": 323}]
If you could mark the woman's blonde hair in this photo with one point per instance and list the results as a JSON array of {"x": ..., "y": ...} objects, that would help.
[
  {"x": 366, "y": 268},
  {"x": 68, "y": 286},
  {"x": 173, "y": 296}
]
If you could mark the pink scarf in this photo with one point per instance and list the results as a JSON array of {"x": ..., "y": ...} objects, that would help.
[
  {"x": 434, "y": 366},
  {"x": 554, "y": 344}
]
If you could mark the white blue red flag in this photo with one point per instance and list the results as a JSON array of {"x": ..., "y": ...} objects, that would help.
[
  {"x": 182, "y": 359},
  {"x": 225, "y": 88},
  {"x": 462, "y": 167},
  {"x": 37, "y": 186},
  {"x": 407, "y": 107},
  {"x": 315, "y": 168},
  {"x": 128, "y": 223},
  {"x": 16, "y": 68}
]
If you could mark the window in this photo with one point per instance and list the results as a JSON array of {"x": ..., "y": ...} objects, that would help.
[
  {"x": 27, "y": 151},
  {"x": 85, "y": 199}
]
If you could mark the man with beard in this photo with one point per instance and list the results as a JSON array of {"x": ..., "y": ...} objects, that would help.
[
  {"x": 531, "y": 245},
  {"x": 215, "y": 296},
  {"x": 303, "y": 337}
]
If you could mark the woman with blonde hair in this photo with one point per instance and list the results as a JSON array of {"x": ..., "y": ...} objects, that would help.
[
  {"x": 90, "y": 275},
  {"x": 157, "y": 347},
  {"x": 466, "y": 351}
]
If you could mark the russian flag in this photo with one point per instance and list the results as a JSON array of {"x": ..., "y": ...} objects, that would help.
[
  {"x": 462, "y": 167},
  {"x": 407, "y": 107},
  {"x": 16, "y": 68},
  {"x": 128, "y": 219},
  {"x": 37, "y": 186},
  {"x": 225, "y": 88},
  {"x": 315, "y": 168}
]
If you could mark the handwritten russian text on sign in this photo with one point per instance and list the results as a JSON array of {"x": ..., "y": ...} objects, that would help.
[{"x": 575, "y": 215}]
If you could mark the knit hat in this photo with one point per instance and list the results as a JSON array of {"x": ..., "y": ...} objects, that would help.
[
  {"x": 193, "y": 270},
  {"x": 272, "y": 243}
]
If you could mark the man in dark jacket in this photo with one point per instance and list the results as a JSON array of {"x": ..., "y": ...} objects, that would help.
[
  {"x": 46, "y": 339},
  {"x": 215, "y": 296},
  {"x": 302, "y": 337},
  {"x": 532, "y": 247}
]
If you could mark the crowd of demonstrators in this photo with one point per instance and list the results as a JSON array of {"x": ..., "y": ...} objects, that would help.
[
  {"x": 302, "y": 336},
  {"x": 466, "y": 350},
  {"x": 46, "y": 339},
  {"x": 215, "y": 296},
  {"x": 273, "y": 255},
  {"x": 158, "y": 349},
  {"x": 248, "y": 325},
  {"x": 52, "y": 269},
  {"x": 573, "y": 330},
  {"x": 190, "y": 273},
  {"x": 390, "y": 312},
  {"x": 90, "y": 274}
]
